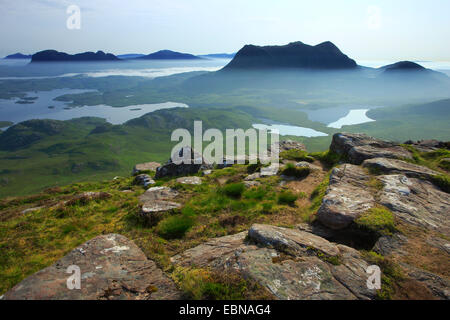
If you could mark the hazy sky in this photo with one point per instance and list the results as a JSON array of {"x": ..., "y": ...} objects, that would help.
[{"x": 376, "y": 29}]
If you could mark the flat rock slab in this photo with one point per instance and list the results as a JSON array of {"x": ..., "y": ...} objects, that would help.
[
  {"x": 346, "y": 198},
  {"x": 416, "y": 201},
  {"x": 190, "y": 180},
  {"x": 147, "y": 166},
  {"x": 299, "y": 275},
  {"x": 305, "y": 164},
  {"x": 158, "y": 193},
  {"x": 111, "y": 266},
  {"x": 359, "y": 147},
  {"x": 290, "y": 241},
  {"x": 204, "y": 254},
  {"x": 253, "y": 176},
  {"x": 393, "y": 166},
  {"x": 269, "y": 171}
]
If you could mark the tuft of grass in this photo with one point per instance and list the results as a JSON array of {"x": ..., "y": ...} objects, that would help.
[
  {"x": 445, "y": 164},
  {"x": 442, "y": 181},
  {"x": 234, "y": 190},
  {"x": 378, "y": 220},
  {"x": 296, "y": 155},
  {"x": 203, "y": 284},
  {"x": 175, "y": 227},
  {"x": 329, "y": 157},
  {"x": 256, "y": 193},
  {"x": 287, "y": 197},
  {"x": 390, "y": 274},
  {"x": 318, "y": 194},
  {"x": 299, "y": 172}
]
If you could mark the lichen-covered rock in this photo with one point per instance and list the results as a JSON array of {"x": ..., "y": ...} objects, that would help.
[
  {"x": 271, "y": 170},
  {"x": 111, "y": 267},
  {"x": 155, "y": 210},
  {"x": 290, "y": 263},
  {"x": 346, "y": 198},
  {"x": 202, "y": 255},
  {"x": 290, "y": 241},
  {"x": 416, "y": 201},
  {"x": 190, "y": 180},
  {"x": 393, "y": 166},
  {"x": 359, "y": 147},
  {"x": 190, "y": 162},
  {"x": 158, "y": 193},
  {"x": 147, "y": 166}
]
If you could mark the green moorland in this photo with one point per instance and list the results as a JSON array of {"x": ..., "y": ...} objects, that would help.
[
  {"x": 61, "y": 220},
  {"x": 31, "y": 159}
]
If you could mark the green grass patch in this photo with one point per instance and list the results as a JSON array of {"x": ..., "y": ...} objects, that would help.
[
  {"x": 233, "y": 190},
  {"x": 287, "y": 198},
  {"x": 299, "y": 172},
  {"x": 176, "y": 226},
  {"x": 379, "y": 220},
  {"x": 296, "y": 155},
  {"x": 442, "y": 181},
  {"x": 318, "y": 194},
  {"x": 328, "y": 158}
]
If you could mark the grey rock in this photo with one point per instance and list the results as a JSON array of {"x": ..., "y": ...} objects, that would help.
[
  {"x": 359, "y": 147},
  {"x": 190, "y": 162},
  {"x": 346, "y": 198},
  {"x": 253, "y": 176},
  {"x": 158, "y": 193},
  {"x": 155, "y": 210},
  {"x": 305, "y": 164},
  {"x": 388, "y": 245},
  {"x": 439, "y": 243},
  {"x": 190, "y": 180},
  {"x": 271, "y": 170},
  {"x": 147, "y": 166},
  {"x": 438, "y": 285},
  {"x": 251, "y": 184},
  {"x": 290, "y": 241},
  {"x": 206, "y": 172},
  {"x": 143, "y": 180},
  {"x": 112, "y": 267},
  {"x": 393, "y": 166},
  {"x": 416, "y": 201}
]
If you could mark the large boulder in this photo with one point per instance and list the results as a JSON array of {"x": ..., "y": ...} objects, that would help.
[
  {"x": 190, "y": 162},
  {"x": 144, "y": 167},
  {"x": 111, "y": 267},
  {"x": 158, "y": 193},
  {"x": 416, "y": 201},
  {"x": 393, "y": 166},
  {"x": 346, "y": 198},
  {"x": 359, "y": 147},
  {"x": 291, "y": 264}
]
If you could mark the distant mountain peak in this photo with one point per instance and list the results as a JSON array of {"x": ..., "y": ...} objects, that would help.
[
  {"x": 169, "y": 55},
  {"x": 293, "y": 55},
  {"x": 18, "y": 55},
  {"x": 56, "y": 56},
  {"x": 404, "y": 66}
]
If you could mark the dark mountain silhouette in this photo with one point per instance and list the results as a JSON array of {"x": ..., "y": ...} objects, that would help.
[
  {"x": 403, "y": 66},
  {"x": 18, "y": 55},
  {"x": 219, "y": 55},
  {"x": 294, "y": 55},
  {"x": 169, "y": 55},
  {"x": 56, "y": 56}
]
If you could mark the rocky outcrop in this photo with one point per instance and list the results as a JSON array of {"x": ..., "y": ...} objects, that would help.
[
  {"x": 155, "y": 204},
  {"x": 287, "y": 145},
  {"x": 428, "y": 145},
  {"x": 143, "y": 180},
  {"x": 359, "y": 147},
  {"x": 346, "y": 198},
  {"x": 416, "y": 201},
  {"x": 158, "y": 193},
  {"x": 290, "y": 263},
  {"x": 393, "y": 166},
  {"x": 190, "y": 162},
  {"x": 111, "y": 267},
  {"x": 147, "y": 166},
  {"x": 190, "y": 180}
]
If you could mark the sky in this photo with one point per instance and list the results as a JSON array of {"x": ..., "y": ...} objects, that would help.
[{"x": 365, "y": 30}]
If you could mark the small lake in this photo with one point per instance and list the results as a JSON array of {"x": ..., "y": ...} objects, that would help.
[
  {"x": 288, "y": 130},
  {"x": 41, "y": 105},
  {"x": 355, "y": 116}
]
